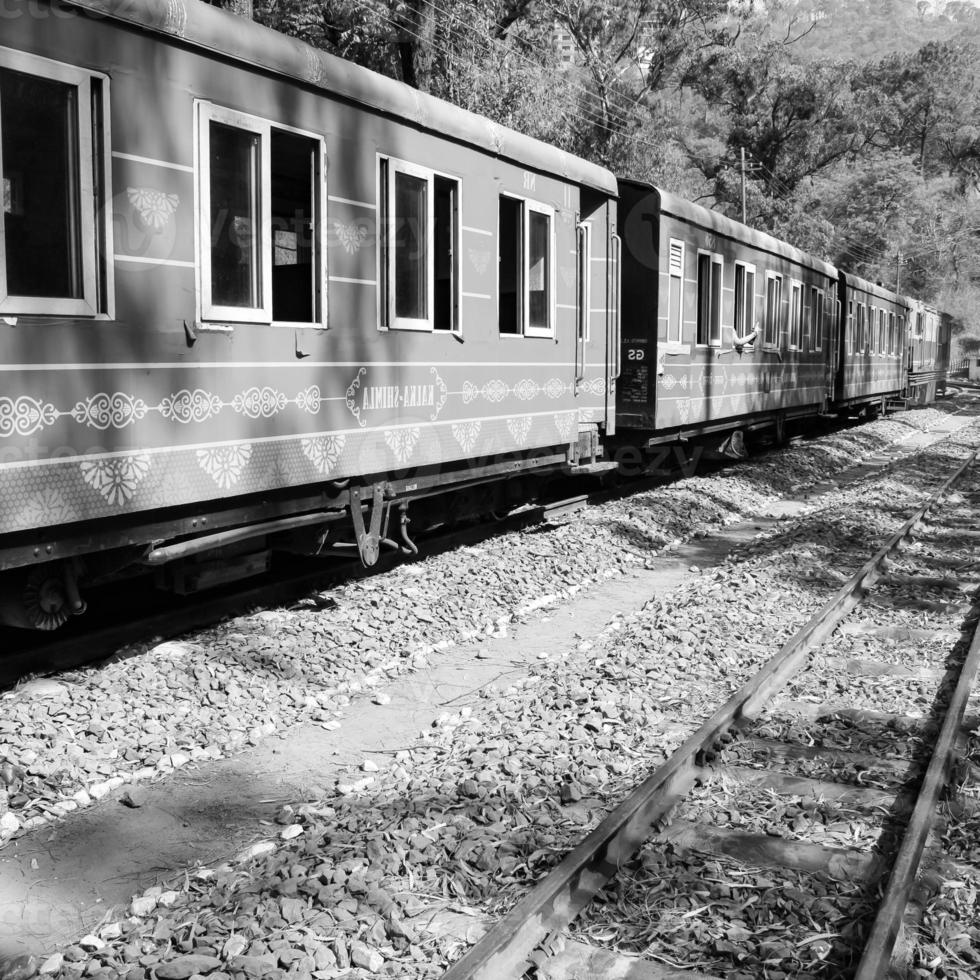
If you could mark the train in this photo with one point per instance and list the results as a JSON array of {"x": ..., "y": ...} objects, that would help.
[{"x": 257, "y": 300}]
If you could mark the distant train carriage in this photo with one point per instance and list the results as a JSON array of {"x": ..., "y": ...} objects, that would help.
[
  {"x": 871, "y": 363},
  {"x": 724, "y": 327},
  {"x": 927, "y": 351},
  {"x": 251, "y": 291}
]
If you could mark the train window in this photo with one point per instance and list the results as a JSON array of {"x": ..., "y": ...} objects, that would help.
[
  {"x": 261, "y": 214},
  {"x": 526, "y": 268},
  {"x": 709, "y": 299},
  {"x": 881, "y": 332},
  {"x": 796, "y": 316},
  {"x": 849, "y": 330},
  {"x": 891, "y": 333},
  {"x": 53, "y": 248},
  {"x": 774, "y": 299},
  {"x": 816, "y": 314},
  {"x": 419, "y": 254},
  {"x": 744, "y": 299},
  {"x": 675, "y": 293},
  {"x": 872, "y": 328}
]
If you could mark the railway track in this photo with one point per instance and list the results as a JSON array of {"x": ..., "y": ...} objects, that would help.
[
  {"x": 81, "y": 643},
  {"x": 789, "y": 732}
]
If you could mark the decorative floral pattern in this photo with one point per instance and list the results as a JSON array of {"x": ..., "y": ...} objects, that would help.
[
  {"x": 466, "y": 434},
  {"x": 441, "y": 393},
  {"x": 351, "y": 397},
  {"x": 479, "y": 259},
  {"x": 261, "y": 402},
  {"x": 563, "y": 423},
  {"x": 554, "y": 388},
  {"x": 402, "y": 443},
  {"x": 526, "y": 389},
  {"x": 48, "y": 507},
  {"x": 684, "y": 409},
  {"x": 669, "y": 381},
  {"x": 323, "y": 452},
  {"x": 519, "y": 428},
  {"x": 117, "y": 477},
  {"x": 104, "y": 411},
  {"x": 190, "y": 406},
  {"x": 224, "y": 464},
  {"x": 154, "y": 207},
  {"x": 24, "y": 415},
  {"x": 470, "y": 392},
  {"x": 352, "y": 237},
  {"x": 309, "y": 399},
  {"x": 594, "y": 386},
  {"x": 495, "y": 391},
  {"x": 176, "y": 17}
]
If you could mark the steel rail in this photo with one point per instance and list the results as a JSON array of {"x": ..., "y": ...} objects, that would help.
[
  {"x": 880, "y": 944},
  {"x": 506, "y": 949}
]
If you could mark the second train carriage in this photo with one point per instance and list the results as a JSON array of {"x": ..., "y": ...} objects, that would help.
[
  {"x": 927, "y": 350},
  {"x": 249, "y": 288},
  {"x": 724, "y": 327},
  {"x": 871, "y": 366}
]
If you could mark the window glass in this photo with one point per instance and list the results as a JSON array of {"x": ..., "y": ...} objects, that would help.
[
  {"x": 850, "y": 327},
  {"x": 774, "y": 290},
  {"x": 41, "y": 199},
  {"x": 411, "y": 237},
  {"x": 816, "y": 304},
  {"x": 445, "y": 302},
  {"x": 539, "y": 271},
  {"x": 511, "y": 289},
  {"x": 294, "y": 252},
  {"x": 583, "y": 298},
  {"x": 795, "y": 315},
  {"x": 709, "y": 300},
  {"x": 234, "y": 186}
]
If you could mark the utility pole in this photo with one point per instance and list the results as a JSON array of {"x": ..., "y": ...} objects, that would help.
[
  {"x": 743, "y": 185},
  {"x": 898, "y": 273}
]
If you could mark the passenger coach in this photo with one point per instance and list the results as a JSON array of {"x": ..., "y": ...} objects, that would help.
[
  {"x": 725, "y": 329},
  {"x": 254, "y": 296}
]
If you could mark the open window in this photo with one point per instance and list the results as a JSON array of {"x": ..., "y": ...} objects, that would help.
[
  {"x": 744, "y": 299},
  {"x": 849, "y": 330},
  {"x": 710, "y": 269},
  {"x": 261, "y": 217},
  {"x": 54, "y": 230},
  {"x": 419, "y": 248},
  {"x": 675, "y": 293},
  {"x": 816, "y": 318},
  {"x": 796, "y": 315},
  {"x": 526, "y": 268},
  {"x": 774, "y": 299}
]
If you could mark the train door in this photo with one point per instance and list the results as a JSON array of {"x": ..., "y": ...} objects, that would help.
[{"x": 597, "y": 304}]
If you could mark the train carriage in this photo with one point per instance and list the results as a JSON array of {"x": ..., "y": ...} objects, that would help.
[
  {"x": 248, "y": 289},
  {"x": 926, "y": 350},
  {"x": 724, "y": 327},
  {"x": 871, "y": 365}
]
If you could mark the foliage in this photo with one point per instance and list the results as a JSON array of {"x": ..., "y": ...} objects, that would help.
[{"x": 859, "y": 119}]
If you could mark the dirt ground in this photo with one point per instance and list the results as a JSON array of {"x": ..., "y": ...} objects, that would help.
[{"x": 62, "y": 881}]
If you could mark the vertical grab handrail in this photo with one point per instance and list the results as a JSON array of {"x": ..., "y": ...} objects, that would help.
[
  {"x": 615, "y": 331},
  {"x": 582, "y": 271}
]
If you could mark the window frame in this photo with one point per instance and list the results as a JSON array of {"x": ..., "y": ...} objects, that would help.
[
  {"x": 716, "y": 307},
  {"x": 208, "y": 311},
  {"x": 530, "y": 205},
  {"x": 679, "y": 276},
  {"x": 796, "y": 317},
  {"x": 775, "y": 316},
  {"x": 94, "y": 176},
  {"x": 817, "y": 322},
  {"x": 746, "y": 269},
  {"x": 849, "y": 329},
  {"x": 536, "y": 207},
  {"x": 387, "y": 320}
]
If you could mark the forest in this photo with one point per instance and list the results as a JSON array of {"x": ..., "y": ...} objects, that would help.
[{"x": 859, "y": 120}]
